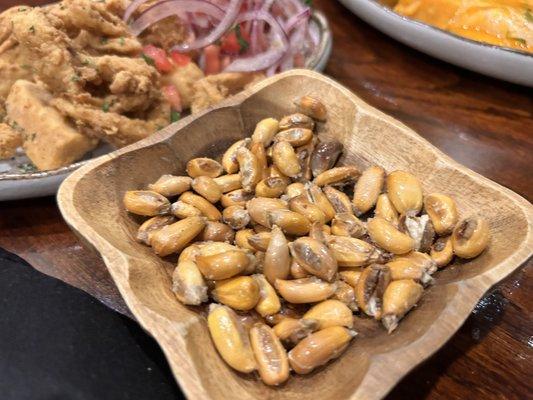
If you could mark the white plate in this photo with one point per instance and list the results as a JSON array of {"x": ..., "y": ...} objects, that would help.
[
  {"x": 498, "y": 62},
  {"x": 15, "y": 184}
]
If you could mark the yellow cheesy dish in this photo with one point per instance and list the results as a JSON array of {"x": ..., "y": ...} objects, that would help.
[{"x": 507, "y": 23}]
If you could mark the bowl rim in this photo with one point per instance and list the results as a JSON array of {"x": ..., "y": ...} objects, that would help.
[
  {"x": 315, "y": 62},
  {"x": 438, "y": 333}
]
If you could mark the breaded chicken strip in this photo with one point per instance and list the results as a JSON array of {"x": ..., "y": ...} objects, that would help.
[{"x": 10, "y": 140}]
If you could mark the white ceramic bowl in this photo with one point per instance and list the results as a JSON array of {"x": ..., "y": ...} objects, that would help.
[{"x": 498, "y": 62}]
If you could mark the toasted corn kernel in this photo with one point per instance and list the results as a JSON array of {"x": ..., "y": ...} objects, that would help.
[
  {"x": 204, "y": 167},
  {"x": 188, "y": 284},
  {"x": 285, "y": 159},
  {"x": 250, "y": 169},
  {"x": 405, "y": 192},
  {"x": 230, "y": 338},
  {"x": 207, "y": 209},
  {"x": 229, "y": 159},
  {"x": 388, "y": 237},
  {"x": 312, "y": 212},
  {"x": 351, "y": 276},
  {"x": 174, "y": 237},
  {"x": 442, "y": 251},
  {"x": 315, "y": 257},
  {"x": 211, "y": 248},
  {"x": 237, "y": 197},
  {"x": 346, "y": 224},
  {"x": 337, "y": 176},
  {"x": 241, "y": 238},
  {"x": 470, "y": 237},
  {"x": 240, "y": 293},
  {"x": 351, "y": 252},
  {"x": 271, "y": 356},
  {"x": 304, "y": 156},
  {"x": 258, "y": 150},
  {"x": 217, "y": 232},
  {"x": 277, "y": 258},
  {"x": 317, "y": 196},
  {"x": 257, "y": 259},
  {"x": 184, "y": 210},
  {"x": 399, "y": 298},
  {"x": 386, "y": 210},
  {"x": 367, "y": 189},
  {"x": 265, "y": 130},
  {"x": 404, "y": 268},
  {"x": 269, "y": 302},
  {"x": 442, "y": 211},
  {"x": 207, "y": 188},
  {"x": 229, "y": 183},
  {"x": 236, "y": 217},
  {"x": 288, "y": 310},
  {"x": 274, "y": 172},
  {"x": 370, "y": 288},
  {"x": 170, "y": 185},
  {"x": 296, "y": 120},
  {"x": 318, "y": 348},
  {"x": 420, "y": 229},
  {"x": 271, "y": 187},
  {"x": 325, "y": 156},
  {"x": 420, "y": 260},
  {"x": 297, "y": 271},
  {"x": 189, "y": 253},
  {"x": 145, "y": 202},
  {"x": 260, "y": 241},
  {"x": 318, "y": 232},
  {"x": 222, "y": 265},
  {"x": 290, "y": 222},
  {"x": 330, "y": 313},
  {"x": 306, "y": 290},
  {"x": 313, "y": 107},
  {"x": 295, "y": 136},
  {"x": 346, "y": 294},
  {"x": 151, "y": 225},
  {"x": 249, "y": 319},
  {"x": 291, "y": 330},
  {"x": 295, "y": 189},
  {"x": 339, "y": 200},
  {"x": 259, "y": 207}
]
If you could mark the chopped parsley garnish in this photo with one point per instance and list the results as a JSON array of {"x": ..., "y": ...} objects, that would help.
[
  {"x": 26, "y": 66},
  {"x": 517, "y": 39},
  {"x": 122, "y": 41},
  {"x": 22, "y": 9},
  {"x": 149, "y": 60},
  {"x": 243, "y": 43},
  {"x": 529, "y": 15},
  {"x": 103, "y": 40},
  {"x": 75, "y": 78},
  {"x": 32, "y": 29},
  {"x": 27, "y": 167},
  {"x": 105, "y": 106},
  {"x": 308, "y": 3},
  {"x": 175, "y": 116}
]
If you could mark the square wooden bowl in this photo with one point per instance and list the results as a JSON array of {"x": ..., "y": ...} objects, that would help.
[{"x": 91, "y": 203}]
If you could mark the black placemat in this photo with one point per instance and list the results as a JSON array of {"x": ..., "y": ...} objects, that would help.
[{"x": 57, "y": 342}]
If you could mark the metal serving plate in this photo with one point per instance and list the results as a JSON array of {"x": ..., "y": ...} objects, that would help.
[
  {"x": 499, "y": 62},
  {"x": 16, "y": 184}
]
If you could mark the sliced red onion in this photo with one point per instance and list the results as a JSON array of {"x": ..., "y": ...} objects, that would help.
[
  {"x": 169, "y": 8},
  {"x": 260, "y": 61},
  {"x": 226, "y": 23},
  {"x": 296, "y": 19}
]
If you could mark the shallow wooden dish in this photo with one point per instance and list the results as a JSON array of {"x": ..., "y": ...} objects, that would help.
[{"x": 91, "y": 202}]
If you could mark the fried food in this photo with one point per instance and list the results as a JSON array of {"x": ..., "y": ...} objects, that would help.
[{"x": 10, "y": 140}]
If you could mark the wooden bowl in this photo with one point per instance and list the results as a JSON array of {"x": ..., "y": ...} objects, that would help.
[{"x": 91, "y": 203}]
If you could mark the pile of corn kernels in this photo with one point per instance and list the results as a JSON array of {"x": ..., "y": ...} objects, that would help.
[{"x": 287, "y": 246}]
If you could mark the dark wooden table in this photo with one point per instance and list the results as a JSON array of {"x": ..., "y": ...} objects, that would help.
[{"x": 485, "y": 124}]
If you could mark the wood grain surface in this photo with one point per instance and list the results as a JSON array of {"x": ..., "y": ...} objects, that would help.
[{"x": 485, "y": 124}]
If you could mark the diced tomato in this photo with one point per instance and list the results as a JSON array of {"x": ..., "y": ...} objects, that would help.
[
  {"x": 173, "y": 97},
  {"x": 161, "y": 61},
  {"x": 299, "y": 60},
  {"x": 212, "y": 59},
  {"x": 230, "y": 43},
  {"x": 180, "y": 59},
  {"x": 225, "y": 61}
]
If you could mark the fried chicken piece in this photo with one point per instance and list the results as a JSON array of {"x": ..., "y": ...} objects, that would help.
[
  {"x": 50, "y": 141},
  {"x": 184, "y": 78},
  {"x": 95, "y": 17},
  {"x": 48, "y": 51},
  {"x": 10, "y": 140},
  {"x": 215, "y": 88},
  {"x": 95, "y": 45},
  {"x": 112, "y": 127},
  {"x": 165, "y": 33}
]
